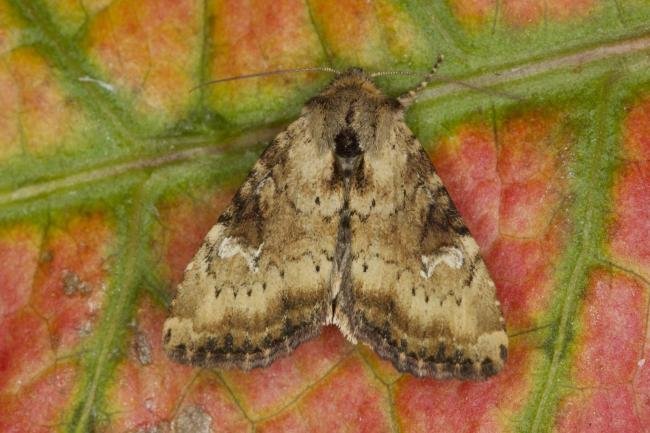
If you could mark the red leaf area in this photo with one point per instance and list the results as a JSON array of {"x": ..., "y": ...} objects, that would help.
[
  {"x": 511, "y": 197},
  {"x": 149, "y": 49},
  {"x": 262, "y": 37},
  {"x": 51, "y": 293},
  {"x": 38, "y": 116},
  {"x": 247, "y": 45}
]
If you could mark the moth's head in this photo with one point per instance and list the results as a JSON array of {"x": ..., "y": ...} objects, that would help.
[
  {"x": 352, "y": 80},
  {"x": 350, "y": 113}
]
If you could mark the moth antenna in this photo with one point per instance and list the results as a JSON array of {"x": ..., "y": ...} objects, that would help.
[
  {"x": 409, "y": 97},
  {"x": 385, "y": 73},
  {"x": 267, "y": 73}
]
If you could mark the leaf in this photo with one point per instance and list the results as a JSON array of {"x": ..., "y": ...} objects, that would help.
[{"x": 112, "y": 169}]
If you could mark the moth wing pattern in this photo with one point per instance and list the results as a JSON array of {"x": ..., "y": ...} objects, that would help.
[
  {"x": 419, "y": 294},
  {"x": 259, "y": 284},
  {"x": 342, "y": 220}
]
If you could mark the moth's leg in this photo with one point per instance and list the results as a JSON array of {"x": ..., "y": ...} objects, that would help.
[{"x": 409, "y": 97}]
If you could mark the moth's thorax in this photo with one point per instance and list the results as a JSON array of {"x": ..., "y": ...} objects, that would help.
[{"x": 352, "y": 109}]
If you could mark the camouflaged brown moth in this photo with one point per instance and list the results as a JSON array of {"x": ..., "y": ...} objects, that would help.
[{"x": 342, "y": 220}]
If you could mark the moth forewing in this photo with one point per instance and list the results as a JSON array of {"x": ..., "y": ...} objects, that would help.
[{"x": 342, "y": 220}]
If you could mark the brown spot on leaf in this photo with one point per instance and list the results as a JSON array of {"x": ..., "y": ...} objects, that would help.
[
  {"x": 142, "y": 348},
  {"x": 72, "y": 284},
  {"x": 192, "y": 419},
  {"x": 46, "y": 256}
]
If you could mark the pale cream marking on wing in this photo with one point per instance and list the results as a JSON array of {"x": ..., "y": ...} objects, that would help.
[
  {"x": 450, "y": 256},
  {"x": 469, "y": 245},
  {"x": 231, "y": 247},
  {"x": 262, "y": 184}
]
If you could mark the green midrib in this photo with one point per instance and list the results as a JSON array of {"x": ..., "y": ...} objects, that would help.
[
  {"x": 100, "y": 360},
  {"x": 99, "y": 363},
  {"x": 596, "y": 158}
]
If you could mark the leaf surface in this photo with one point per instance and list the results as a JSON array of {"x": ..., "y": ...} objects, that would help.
[{"x": 114, "y": 165}]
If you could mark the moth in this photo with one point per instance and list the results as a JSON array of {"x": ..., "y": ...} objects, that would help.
[{"x": 342, "y": 220}]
